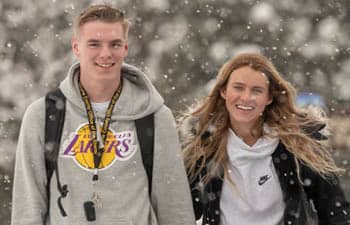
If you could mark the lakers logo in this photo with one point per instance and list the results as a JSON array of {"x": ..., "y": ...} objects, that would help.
[{"x": 118, "y": 146}]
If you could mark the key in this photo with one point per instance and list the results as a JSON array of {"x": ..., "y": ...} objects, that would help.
[{"x": 96, "y": 200}]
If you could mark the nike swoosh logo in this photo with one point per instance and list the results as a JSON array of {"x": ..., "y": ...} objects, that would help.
[{"x": 263, "y": 179}]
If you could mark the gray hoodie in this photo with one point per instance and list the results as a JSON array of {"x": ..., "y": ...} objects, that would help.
[{"x": 122, "y": 186}]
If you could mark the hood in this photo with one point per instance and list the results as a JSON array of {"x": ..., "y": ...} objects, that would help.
[
  {"x": 241, "y": 153},
  {"x": 138, "y": 98}
]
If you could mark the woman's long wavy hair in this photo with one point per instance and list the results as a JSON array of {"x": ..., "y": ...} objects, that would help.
[{"x": 207, "y": 147}]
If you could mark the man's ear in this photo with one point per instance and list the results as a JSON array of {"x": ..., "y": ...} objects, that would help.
[
  {"x": 75, "y": 46},
  {"x": 126, "y": 46}
]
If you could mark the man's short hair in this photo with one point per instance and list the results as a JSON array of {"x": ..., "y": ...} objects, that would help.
[{"x": 103, "y": 13}]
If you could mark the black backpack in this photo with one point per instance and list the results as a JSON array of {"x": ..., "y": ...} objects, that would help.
[{"x": 54, "y": 121}]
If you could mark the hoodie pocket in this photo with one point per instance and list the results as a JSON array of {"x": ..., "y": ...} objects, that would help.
[{"x": 119, "y": 221}]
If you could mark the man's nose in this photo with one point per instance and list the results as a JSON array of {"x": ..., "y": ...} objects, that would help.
[{"x": 105, "y": 52}]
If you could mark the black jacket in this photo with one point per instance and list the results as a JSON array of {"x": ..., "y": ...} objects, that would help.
[{"x": 324, "y": 196}]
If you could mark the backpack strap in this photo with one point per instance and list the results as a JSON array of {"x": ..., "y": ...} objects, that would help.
[
  {"x": 145, "y": 135},
  {"x": 54, "y": 121}
]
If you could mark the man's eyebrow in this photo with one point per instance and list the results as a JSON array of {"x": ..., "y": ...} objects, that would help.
[
  {"x": 117, "y": 40},
  {"x": 113, "y": 41},
  {"x": 93, "y": 40}
]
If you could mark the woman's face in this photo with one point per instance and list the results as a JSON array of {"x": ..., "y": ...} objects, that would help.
[{"x": 246, "y": 95}]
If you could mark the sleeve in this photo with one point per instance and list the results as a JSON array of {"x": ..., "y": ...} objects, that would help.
[
  {"x": 171, "y": 197},
  {"x": 29, "y": 198},
  {"x": 329, "y": 199}
]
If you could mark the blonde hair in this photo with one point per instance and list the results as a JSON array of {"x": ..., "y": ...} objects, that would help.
[
  {"x": 104, "y": 13},
  {"x": 207, "y": 147}
]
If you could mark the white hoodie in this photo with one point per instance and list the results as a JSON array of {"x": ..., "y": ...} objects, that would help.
[
  {"x": 122, "y": 185},
  {"x": 257, "y": 198}
]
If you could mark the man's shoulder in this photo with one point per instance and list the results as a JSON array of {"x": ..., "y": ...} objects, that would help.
[
  {"x": 163, "y": 118},
  {"x": 164, "y": 111},
  {"x": 35, "y": 109}
]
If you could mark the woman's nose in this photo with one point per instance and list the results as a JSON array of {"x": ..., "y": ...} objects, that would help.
[{"x": 246, "y": 95}]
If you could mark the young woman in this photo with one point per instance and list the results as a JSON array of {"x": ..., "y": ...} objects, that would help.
[{"x": 254, "y": 158}]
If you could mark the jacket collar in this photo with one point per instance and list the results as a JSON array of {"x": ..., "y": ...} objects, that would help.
[{"x": 285, "y": 166}]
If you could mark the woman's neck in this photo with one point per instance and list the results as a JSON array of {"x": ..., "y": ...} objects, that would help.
[{"x": 249, "y": 134}]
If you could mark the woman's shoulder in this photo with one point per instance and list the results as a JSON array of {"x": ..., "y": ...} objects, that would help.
[{"x": 314, "y": 122}]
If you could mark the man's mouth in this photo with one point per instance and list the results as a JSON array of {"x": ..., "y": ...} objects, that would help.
[
  {"x": 105, "y": 65},
  {"x": 245, "y": 108}
]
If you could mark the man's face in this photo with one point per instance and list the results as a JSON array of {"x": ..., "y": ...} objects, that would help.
[{"x": 101, "y": 48}]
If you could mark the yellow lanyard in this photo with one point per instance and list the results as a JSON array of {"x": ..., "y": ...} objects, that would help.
[{"x": 97, "y": 152}]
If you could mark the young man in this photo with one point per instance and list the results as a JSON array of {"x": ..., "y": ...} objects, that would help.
[{"x": 108, "y": 185}]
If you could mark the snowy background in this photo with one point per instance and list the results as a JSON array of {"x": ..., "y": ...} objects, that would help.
[{"x": 180, "y": 44}]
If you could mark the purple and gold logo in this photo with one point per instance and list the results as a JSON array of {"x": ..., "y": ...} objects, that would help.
[{"x": 118, "y": 146}]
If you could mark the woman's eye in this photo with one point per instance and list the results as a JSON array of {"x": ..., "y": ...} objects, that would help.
[
  {"x": 258, "y": 91},
  {"x": 238, "y": 87}
]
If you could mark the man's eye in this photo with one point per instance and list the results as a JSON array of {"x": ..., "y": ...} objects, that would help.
[
  {"x": 238, "y": 87},
  {"x": 117, "y": 45},
  {"x": 92, "y": 44}
]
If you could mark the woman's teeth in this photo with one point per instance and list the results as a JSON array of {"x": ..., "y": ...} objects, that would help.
[{"x": 242, "y": 107}]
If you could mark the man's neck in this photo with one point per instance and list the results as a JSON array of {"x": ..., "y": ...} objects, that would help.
[{"x": 100, "y": 92}]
